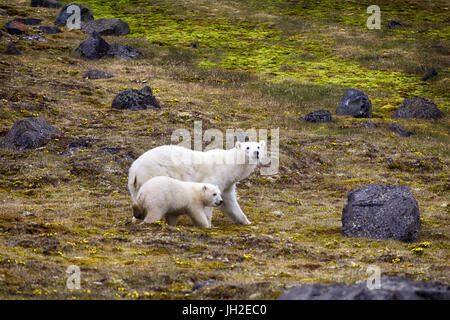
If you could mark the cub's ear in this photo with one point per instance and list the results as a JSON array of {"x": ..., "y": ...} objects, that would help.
[
  {"x": 262, "y": 143},
  {"x": 205, "y": 187},
  {"x": 238, "y": 145}
]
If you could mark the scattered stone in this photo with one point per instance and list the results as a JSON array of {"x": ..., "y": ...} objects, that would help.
[
  {"x": 48, "y": 29},
  {"x": 28, "y": 21},
  {"x": 12, "y": 49},
  {"x": 93, "y": 47},
  {"x": 123, "y": 52},
  {"x": 3, "y": 13},
  {"x": 392, "y": 288},
  {"x": 199, "y": 285},
  {"x": 398, "y": 129},
  {"x": 393, "y": 23},
  {"x": 46, "y": 3},
  {"x": 81, "y": 144},
  {"x": 136, "y": 99},
  {"x": 318, "y": 116},
  {"x": 194, "y": 44},
  {"x": 381, "y": 212},
  {"x": 355, "y": 103},
  {"x": 34, "y": 38},
  {"x": 15, "y": 27},
  {"x": 429, "y": 74},
  {"x": 370, "y": 124},
  {"x": 111, "y": 150},
  {"x": 94, "y": 74},
  {"x": 86, "y": 14},
  {"x": 416, "y": 107},
  {"x": 106, "y": 27},
  {"x": 28, "y": 133},
  {"x": 28, "y": 214}
]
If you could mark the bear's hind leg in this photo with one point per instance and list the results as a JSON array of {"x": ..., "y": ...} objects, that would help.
[{"x": 154, "y": 215}]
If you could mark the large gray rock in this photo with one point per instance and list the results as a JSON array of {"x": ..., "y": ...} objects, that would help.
[
  {"x": 93, "y": 47},
  {"x": 416, "y": 107},
  {"x": 136, "y": 99},
  {"x": 355, "y": 103},
  {"x": 392, "y": 288},
  {"x": 106, "y": 27},
  {"x": 381, "y": 212},
  {"x": 28, "y": 133},
  {"x": 86, "y": 14}
]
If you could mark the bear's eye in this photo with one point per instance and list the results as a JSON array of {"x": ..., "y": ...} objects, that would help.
[{"x": 214, "y": 194}]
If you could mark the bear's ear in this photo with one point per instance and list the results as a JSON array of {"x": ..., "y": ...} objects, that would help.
[
  {"x": 205, "y": 187},
  {"x": 262, "y": 143}
]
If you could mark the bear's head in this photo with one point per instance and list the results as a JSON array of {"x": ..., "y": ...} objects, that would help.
[
  {"x": 212, "y": 196},
  {"x": 253, "y": 152}
]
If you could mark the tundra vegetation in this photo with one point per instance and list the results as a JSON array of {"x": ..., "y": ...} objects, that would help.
[{"x": 255, "y": 64}]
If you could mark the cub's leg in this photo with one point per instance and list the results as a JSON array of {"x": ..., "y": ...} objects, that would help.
[
  {"x": 199, "y": 218},
  {"x": 231, "y": 208},
  {"x": 208, "y": 213}
]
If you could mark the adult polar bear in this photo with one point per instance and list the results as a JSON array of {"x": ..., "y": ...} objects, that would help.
[{"x": 223, "y": 168}]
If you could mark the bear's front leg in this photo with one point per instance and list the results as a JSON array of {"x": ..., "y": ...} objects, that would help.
[
  {"x": 199, "y": 218},
  {"x": 231, "y": 208}
]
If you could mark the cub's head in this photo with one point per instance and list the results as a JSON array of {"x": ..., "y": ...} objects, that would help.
[
  {"x": 253, "y": 151},
  {"x": 212, "y": 196}
]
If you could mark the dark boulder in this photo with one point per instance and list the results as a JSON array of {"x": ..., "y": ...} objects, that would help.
[
  {"x": 12, "y": 49},
  {"x": 106, "y": 27},
  {"x": 28, "y": 21},
  {"x": 15, "y": 27},
  {"x": 46, "y": 3},
  {"x": 391, "y": 288},
  {"x": 381, "y": 212},
  {"x": 136, "y": 99},
  {"x": 123, "y": 52},
  {"x": 93, "y": 47},
  {"x": 48, "y": 29},
  {"x": 318, "y": 116},
  {"x": 64, "y": 14},
  {"x": 94, "y": 74},
  {"x": 398, "y": 129},
  {"x": 28, "y": 133},
  {"x": 355, "y": 103},
  {"x": 416, "y": 107},
  {"x": 429, "y": 74}
]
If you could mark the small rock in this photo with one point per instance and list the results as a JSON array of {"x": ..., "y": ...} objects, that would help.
[
  {"x": 28, "y": 21},
  {"x": 94, "y": 74},
  {"x": 14, "y": 27},
  {"x": 81, "y": 144},
  {"x": 48, "y": 29},
  {"x": 93, "y": 47},
  {"x": 28, "y": 214},
  {"x": 86, "y": 14},
  {"x": 199, "y": 285},
  {"x": 3, "y": 13},
  {"x": 46, "y": 3},
  {"x": 12, "y": 49},
  {"x": 370, "y": 124},
  {"x": 123, "y": 52},
  {"x": 381, "y": 212},
  {"x": 136, "y": 99},
  {"x": 106, "y": 27},
  {"x": 429, "y": 75},
  {"x": 111, "y": 150},
  {"x": 392, "y": 288},
  {"x": 398, "y": 129},
  {"x": 28, "y": 133},
  {"x": 318, "y": 116},
  {"x": 194, "y": 44},
  {"x": 393, "y": 23},
  {"x": 277, "y": 213},
  {"x": 355, "y": 103},
  {"x": 416, "y": 107},
  {"x": 34, "y": 38}
]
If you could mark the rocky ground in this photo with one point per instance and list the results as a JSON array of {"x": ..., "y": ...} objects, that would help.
[{"x": 245, "y": 64}]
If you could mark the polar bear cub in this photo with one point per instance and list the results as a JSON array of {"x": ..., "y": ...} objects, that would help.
[{"x": 165, "y": 197}]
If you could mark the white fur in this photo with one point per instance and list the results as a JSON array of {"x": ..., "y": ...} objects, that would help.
[
  {"x": 164, "y": 197},
  {"x": 223, "y": 168}
]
